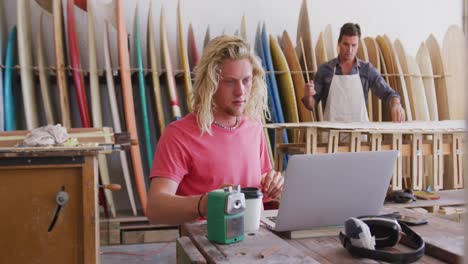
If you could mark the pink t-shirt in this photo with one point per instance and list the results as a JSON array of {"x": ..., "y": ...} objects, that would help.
[{"x": 201, "y": 163}]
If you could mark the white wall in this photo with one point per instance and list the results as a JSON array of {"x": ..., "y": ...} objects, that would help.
[{"x": 410, "y": 21}]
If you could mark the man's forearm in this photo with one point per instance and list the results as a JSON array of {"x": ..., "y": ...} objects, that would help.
[
  {"x": 174, "y": 209},
  {"x": 309, "y": 102}
]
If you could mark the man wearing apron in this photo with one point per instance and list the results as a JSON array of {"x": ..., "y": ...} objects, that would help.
[{"x": 343, "y": 83}]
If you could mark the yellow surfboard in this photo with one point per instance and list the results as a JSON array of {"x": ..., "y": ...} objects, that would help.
[
  {"x": 184, "y": 60},
  {"x": 285, "y": 83}
]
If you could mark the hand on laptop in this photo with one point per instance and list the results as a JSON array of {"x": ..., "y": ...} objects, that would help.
[{"x": 272, "y": 184}]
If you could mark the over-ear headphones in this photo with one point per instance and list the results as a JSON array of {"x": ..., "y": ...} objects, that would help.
[{"x": 363, "y": 236}]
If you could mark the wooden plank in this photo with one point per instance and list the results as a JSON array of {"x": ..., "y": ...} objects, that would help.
[
  {"x": 247, "y": 251},
  {"x": 59, "y": 44},
  {"x": 102, "y": 135},
  {"x": 90, "y": 211},
  {"x": 438, "y": 162},
  {"x": 417, "y": 162},
  {"x": 187, "y": 253}
]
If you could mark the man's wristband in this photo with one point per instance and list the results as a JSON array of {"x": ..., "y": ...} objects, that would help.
[{"x": 199, "y": 202}]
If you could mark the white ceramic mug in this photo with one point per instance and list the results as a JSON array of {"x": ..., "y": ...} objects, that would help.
[{"x": 253, "y": 208}]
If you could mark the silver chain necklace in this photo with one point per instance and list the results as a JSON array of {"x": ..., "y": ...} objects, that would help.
[{"x": 226, "y": 127}]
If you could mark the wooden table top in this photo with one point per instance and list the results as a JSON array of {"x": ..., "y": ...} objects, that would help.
[{"x": 444, "y": 243}]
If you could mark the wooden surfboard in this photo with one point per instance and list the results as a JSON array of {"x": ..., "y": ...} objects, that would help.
[
  {"x": 374, "y": 58},
  {"x": 26, "y": 65},
  {"x": 9, "y": 89},
  {"x": 44, "y": 76},
  {"x": 386, "y": 115},
  {"x": 453, "y": 55},
  {"x": 421, "y": 108},
  {"x": 115, "y": 115},
  {"x": 154, "y": 73},
  {"x": 3, "y": 41},
  {"x": 96, "y": 104},
  {"x": 184, "y": 60},
  {"x": 303, "y": 31},
  {"x": 320, "y": 50},
  {"x": 207, "y": 38},
  {"x": 243, "y": 28},
  {"x": 330, "y": 43},
  {"x": 414, "y": 84},
  {"x": 61, "y": 77},
  {"x": 167, "y": 63},
  {"x": 142, "y": 89},
  {"x": 425, "y": 66},
  {"x": 127, "y": 94},
  {"x": 440, "y": 80},
  {"x": 286, "y": 86},
  {"x": 297, "y": 77},
  {"x": 192, "y": 48},
  {"x": 75, "y": 60},
  {"x": 394, "y": 69}
]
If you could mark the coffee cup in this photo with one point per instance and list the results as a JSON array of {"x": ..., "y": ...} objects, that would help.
[{"x": 253, "y": 208}]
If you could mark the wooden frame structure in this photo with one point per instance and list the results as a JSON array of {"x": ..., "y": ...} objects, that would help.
[{"x": 416, "y": 142}]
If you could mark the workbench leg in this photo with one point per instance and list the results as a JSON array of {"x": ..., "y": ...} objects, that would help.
[
  {"x": 417, "y": 161},
  {"x": 376, "y": 142},
  {"x": 333, "y": 139},
  {"x": 438, "y": 162},
  {"x": 397, "y": 178},
  {"x": 355, "y": 142},
  {"x": 457, "y": 160},
  {"x": 311, "y": 140},
  {"x": 279, "y": 139}
]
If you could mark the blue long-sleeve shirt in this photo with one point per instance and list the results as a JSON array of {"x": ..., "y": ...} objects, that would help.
[{"x": 370, "y": 78}]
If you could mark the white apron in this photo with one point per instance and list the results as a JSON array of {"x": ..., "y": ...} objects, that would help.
[{"x": 345, "y": 101}]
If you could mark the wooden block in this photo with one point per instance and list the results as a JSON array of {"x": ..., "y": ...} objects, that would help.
[
  {"x": 187, "y": 252},
  {"x": 149, "y": 236}
]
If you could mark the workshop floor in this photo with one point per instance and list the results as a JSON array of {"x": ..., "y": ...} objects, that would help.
[{"x": 139, "y": 253}]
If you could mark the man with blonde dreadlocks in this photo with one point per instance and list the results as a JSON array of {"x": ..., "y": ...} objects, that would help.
[{"x": 222, "y": 142}]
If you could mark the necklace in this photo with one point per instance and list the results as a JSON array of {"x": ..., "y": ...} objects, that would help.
[{"x": 236, "y": 124}]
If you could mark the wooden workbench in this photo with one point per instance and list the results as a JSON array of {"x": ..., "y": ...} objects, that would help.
[
  {"x": 416, "y": 141},
  {"x": 444, "y": 243},
  {"x": 29, "y": 182}
]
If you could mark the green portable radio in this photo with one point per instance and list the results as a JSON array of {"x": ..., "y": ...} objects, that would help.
[{"x": 225, "y": 212}]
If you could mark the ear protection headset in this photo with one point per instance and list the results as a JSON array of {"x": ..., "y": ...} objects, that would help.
[{"x": 363, "y": 236}]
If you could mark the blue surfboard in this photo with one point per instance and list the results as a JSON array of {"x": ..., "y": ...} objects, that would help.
[
  {"x": 261, "y": 55},
  {"x": 8, "y": 90},
  {"x": 142, "y": 90},
  {"x": 271, "y": 74}
]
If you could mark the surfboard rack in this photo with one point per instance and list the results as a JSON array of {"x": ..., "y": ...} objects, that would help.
[{"x": 430, "y": 152}]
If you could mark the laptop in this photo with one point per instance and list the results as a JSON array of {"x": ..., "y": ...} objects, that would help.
[{"x": 324, "y": 190}]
